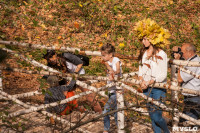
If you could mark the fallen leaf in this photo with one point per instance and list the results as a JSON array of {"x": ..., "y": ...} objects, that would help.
[{"x": 76, "y": 25}]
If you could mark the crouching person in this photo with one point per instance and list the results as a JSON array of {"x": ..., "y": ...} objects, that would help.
[{"x": 57, "y": 92}]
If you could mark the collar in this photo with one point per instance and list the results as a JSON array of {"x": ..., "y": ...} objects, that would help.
[{"x": 192, "y": 58}]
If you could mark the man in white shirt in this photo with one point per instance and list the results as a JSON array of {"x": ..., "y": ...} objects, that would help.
[{"x": 192, "y": 102}]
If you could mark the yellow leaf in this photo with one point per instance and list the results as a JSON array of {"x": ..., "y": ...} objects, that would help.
[
  {"x": 25, "y": 3},
  {"x": 105, "y": 35},
  {"x": 121, "y": 45},
  {"x": 100, "y": 44},
  {"x": 43, "y": 26},
  {"x": 37, "y": 37},
  {"x": 171, "y": 2},
  {"x": 59, "y": 37},
  {"x": 80, "y": 5},
  {"x": 50, "y": 16}
]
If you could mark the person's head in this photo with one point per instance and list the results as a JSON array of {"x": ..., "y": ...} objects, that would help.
[
  {"x": 51, "y": 57},
  {"x": 107, "y": 51},
  {"x": 146, "y": 45},
  {"x": 146, "y": 42},
  {"x": 53, "y": 81},
  {"x": 188, "y": 50}
]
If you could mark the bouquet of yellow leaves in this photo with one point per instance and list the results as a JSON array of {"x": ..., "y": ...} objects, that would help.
[{"x": 156, "y": 34}]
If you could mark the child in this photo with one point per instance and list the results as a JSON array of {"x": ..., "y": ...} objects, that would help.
[{"x": 113, "y": 66}]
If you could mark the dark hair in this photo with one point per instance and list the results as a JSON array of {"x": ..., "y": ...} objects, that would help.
[
  {"x": 108, "y": 48},
  {"x": 49, "y": 54},
  {"x": 143, "y": 49}
]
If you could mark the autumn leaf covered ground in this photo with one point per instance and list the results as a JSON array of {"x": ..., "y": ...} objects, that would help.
[{"x": 87, "y": 24}]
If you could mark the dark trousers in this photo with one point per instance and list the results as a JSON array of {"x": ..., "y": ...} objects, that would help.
[{"x": 192, "y": 107}]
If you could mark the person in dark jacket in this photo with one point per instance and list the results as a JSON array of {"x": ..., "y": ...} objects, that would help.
[{"x": 58, "y": 92}]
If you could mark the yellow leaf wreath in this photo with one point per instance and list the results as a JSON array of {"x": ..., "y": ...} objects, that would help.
[{"x": 156, "y": 34}]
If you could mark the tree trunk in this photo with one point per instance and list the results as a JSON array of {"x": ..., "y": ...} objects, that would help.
[
  {"x": 184, "y": 62},
  {"x": 65, "y": 49},
  {"x": 165, "y": 86},
  {"x": 120, "y": 104},
  {"x": 174, "y": 94}
]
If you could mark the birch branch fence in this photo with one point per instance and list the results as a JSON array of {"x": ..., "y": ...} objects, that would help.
[{"x": 119, "y": 82}]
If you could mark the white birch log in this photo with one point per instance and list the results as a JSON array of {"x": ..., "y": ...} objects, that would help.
[
  {"x": 189, "y": 72},
  {"x": 43, "y": 106},
  {"x": 128, "y": 75},
  {"x": 43, "y": 112},
  {"x": 120, "y": 104},
  {"x": 184, "y": 62},
  {"x": 174, "y": 94},
  {"x": 159, "y": 104},
  {"x": 63, "y": 121},
  {"x": 66, "y": 49},
  {"x": 165, "y": 86},
  {"x": 28, "y": 94},
  {"x": 13, "y": 99},
  {"x": 33, "y": 62}
]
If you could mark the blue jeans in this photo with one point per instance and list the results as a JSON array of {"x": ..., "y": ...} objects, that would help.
[
  {"x": 158, "y": 122},
  {"x": 110, "y": 105},
  {"x": 192, "y": 107}
]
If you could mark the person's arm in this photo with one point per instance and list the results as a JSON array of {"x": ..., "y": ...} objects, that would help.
[
  {"x": 74, "y": 60},
  {"x": 69, "y": 87},
  {"x": 117, "y": 68},
  {"x": 78, "y": 68},
  {"x": 64, "y": 65},
  {"x": 185, "y": 77},
  {"x": 110, "y": 71},
  {"x": 180, "y": 80}
]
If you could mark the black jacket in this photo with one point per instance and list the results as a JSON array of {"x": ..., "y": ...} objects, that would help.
[{"x": 55, "y": 94}]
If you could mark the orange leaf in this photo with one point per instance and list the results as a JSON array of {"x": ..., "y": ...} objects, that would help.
[
  {"x": 159, "y": 57},
  {"x": 76, "y": 25},
  {"x": 147, "y": 65}
]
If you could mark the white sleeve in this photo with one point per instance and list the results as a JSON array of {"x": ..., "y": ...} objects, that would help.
[
  {"x": 160, "y": 71},
  {"x": 140, "y": 71}
]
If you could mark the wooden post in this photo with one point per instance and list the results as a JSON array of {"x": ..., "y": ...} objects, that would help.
[{"x": 120, "y": 104}]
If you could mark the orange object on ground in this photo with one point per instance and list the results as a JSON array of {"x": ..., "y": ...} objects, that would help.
[{"x": 70, "y": 105}]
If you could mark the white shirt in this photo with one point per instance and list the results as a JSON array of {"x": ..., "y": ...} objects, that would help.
[
  {"x": 71, "y": 68},
  {"x": 154, "y": 68},
  {"x": 113, "y": 65},
  {"x": 189, "y": 82}
]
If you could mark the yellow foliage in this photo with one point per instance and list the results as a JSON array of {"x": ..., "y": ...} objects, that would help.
[
  {"x": 156, "y": 34},
  {"x": 59, "y": 37},
  {"x": 121, "y": 45}
]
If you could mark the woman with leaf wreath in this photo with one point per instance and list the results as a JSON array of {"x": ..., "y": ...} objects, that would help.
[{"x": 153, "y": 67}]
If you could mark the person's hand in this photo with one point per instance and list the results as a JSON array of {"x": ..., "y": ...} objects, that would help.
[
  {"x": 111, "y": 75},
  {"x": 144, "y": 84},
  {"x": 177, "y": 56}
]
